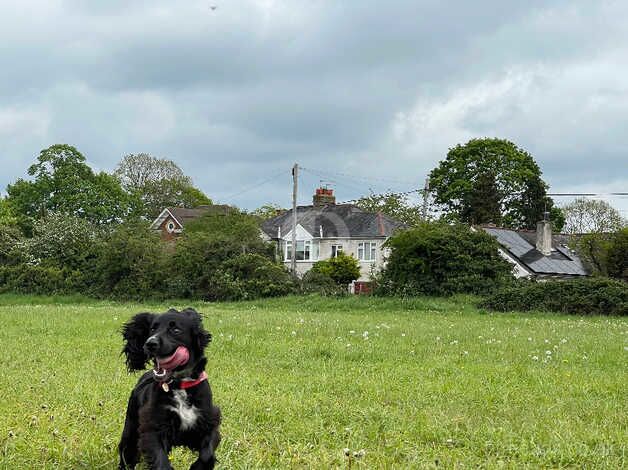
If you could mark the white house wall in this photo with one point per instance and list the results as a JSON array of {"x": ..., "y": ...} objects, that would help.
[{"x": 350, "y": 247}]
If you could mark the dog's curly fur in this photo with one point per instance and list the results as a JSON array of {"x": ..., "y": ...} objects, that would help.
[{"x": 158, "y": 419}]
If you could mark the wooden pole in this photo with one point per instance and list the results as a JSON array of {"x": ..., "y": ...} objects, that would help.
[{"x": 295, "y": 188}]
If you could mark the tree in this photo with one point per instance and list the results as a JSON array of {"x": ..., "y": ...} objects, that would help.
[
  {"x": 617, "y": 255},
  {"x": 394, "y": 205},
  {"x": 7, "y": 217},
  {"x": 64, "y": 183},
  {"x": 490, "y": 181},
  {"x": 591, "y": 216},
  {"x": 442, "y": 259},
  {"x": 267, "y": 211},
  {"x": 158, "y": 183}
]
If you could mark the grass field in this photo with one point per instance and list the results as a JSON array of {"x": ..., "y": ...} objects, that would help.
[{"x": 424, "y": 383}]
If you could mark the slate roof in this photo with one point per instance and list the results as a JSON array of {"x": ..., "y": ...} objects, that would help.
[
  {"x": 336, "y": 220},
  {"x": 522, "y": 246},
  {"x": 183, "y": 215}
]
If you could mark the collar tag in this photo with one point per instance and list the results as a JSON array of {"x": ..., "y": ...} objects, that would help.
[{"x": 165, "y": 387}]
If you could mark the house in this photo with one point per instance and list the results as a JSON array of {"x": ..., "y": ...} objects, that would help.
[
  {"x": 540, "y": 254},
  {"x": 171, "y": 221},
  {"x": 325, "y": 229}
]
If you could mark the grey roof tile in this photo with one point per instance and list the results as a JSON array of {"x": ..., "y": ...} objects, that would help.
[
  {"x": 342, "y": 220},
  {"x": 521, "y": 244}
]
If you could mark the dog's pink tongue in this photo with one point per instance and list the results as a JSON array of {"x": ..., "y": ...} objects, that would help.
[{"x": 178, "y": 358}]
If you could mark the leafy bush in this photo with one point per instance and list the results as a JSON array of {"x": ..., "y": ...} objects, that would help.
[
  {"x": 595, "y": 296},
  {"x": 343, "y": 269},
  {"x": 10, "y": 238},
  {"x": 617, "y": 255},
  {"x": 131, "y": 264},
  {"x": 441, "y": 259},
  {"x": 26, "y": 279},
  {"x": 259, "y": 276},
  {"x": 321, "y": 283},
  {"x": 62, "y": 240}
]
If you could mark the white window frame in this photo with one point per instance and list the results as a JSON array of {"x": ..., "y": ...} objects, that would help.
[
  {"x": 367, "y": 252},
  {"x": 335, "y": 249},
  {"x": 170, "y": 226},
  {"x": 310, "y": 248}
]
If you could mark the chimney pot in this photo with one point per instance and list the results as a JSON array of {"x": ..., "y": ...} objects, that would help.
[{"x": 323, "y": 197}]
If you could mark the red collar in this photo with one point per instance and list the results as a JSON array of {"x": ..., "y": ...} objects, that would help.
[
  {"x": 182, "y": 384},
  {"x": 193, "y": 383}
]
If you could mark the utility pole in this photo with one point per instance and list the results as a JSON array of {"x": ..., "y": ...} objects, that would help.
[
  {"x": 426, "y": 191},
  {"x": 295, "y": 187}
]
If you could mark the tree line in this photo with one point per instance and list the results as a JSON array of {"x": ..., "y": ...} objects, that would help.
[{"x": 70, "y": 229}]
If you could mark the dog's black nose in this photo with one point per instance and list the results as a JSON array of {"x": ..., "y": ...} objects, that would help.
[{"x": 152, "y": 344}]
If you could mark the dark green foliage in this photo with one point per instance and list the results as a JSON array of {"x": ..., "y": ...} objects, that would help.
[
  {"x": 321, "y": 283},
  {"x": 132, "y": 264},
  {"x": 441, "y": 259},
  {"x": 27, "y": 279},
  {"x": 222, "y": 257},
  {"x": 605, "y": 253},
  {"x": 483, "y": 175},
  {"x": 343, "y": 269},
  {"x": 617, "y": 255},
  {"x": 594, "y": 296}
]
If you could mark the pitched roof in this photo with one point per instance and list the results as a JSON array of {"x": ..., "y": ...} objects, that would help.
[
  {"x": 341, "y": 220},
  {"x": 521, "y": 244},
  {"x": 183, "y": 215}
]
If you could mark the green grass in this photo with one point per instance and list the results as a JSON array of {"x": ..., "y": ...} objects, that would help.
[{"x": 437, "y": 383}]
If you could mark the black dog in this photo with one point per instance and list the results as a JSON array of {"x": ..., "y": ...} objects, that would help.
[{"x": 172, "y": 404}]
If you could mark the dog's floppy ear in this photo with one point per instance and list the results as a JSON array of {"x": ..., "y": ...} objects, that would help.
[
  {"x": 202, "y": 336},
  {"x": 135, "y": 333}
]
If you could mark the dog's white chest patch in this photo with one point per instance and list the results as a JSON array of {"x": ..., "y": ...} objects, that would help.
[{"x": 187, "y": 413}]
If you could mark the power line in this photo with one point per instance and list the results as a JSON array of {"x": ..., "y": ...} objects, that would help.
[
  {"x": 355, "y": 177},
  {"x": 257, "y": 185}
]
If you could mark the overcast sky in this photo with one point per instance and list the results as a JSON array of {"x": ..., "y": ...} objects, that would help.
[{"x": 365, "y": 94}]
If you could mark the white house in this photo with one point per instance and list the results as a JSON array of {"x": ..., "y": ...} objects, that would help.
[{"x": 325, "y": 229}]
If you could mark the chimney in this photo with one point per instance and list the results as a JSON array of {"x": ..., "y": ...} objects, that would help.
[
  {"x": 323, "y": 197},
  {"x": 544, "y": 235}
]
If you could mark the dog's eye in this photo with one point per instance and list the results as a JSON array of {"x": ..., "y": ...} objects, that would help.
[
  {"x": 176, "y": 330},
  {"x": 154, "y": 327}
]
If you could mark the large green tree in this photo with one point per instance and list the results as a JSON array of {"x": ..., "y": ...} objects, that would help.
[
  {"x": 158, "y": 183},
  {"x": 490, "y": 181},
  {"x": 63, "y": 182}
]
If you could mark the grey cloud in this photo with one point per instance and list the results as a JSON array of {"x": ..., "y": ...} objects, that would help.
[{"x": 370, "y": 88}]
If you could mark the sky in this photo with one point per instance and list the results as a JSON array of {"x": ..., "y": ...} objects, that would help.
[{"x": 364, "y": 95}]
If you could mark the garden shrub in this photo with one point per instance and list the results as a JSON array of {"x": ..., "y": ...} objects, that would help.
[
  {"x": 591, "y": 296},
  {"x": 343, "y": 269},
  {"x": 441, "y": 259},
  {"x": 321, "y": 283},
  {"x": 132, "y": 264},
  {"x": 27, "y": 279}
]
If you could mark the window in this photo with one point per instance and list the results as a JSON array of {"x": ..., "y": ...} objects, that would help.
[
  {"x": 335, "y": 249},
  {"x": 306, "y": 250},
  {"x": 170, "y": 226},
  {"x": 367, "y": 251}
]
